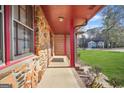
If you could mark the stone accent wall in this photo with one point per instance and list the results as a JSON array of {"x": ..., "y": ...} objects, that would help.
[
  {"x": 29, "y": 73},
  {"x": 42, "y": 35}
]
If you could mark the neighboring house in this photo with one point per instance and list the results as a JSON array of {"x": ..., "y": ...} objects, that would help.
[
  {"x": 100, "y": 44},
  {"x": 94, "y": 35},
  {"x": 92, "y": 44}
]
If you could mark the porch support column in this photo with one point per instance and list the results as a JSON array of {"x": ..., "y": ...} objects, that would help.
[
  {"x": 65, "y": 51},
  {"x": 72, "y": 53},
  {"x": 7, "y": 16}
]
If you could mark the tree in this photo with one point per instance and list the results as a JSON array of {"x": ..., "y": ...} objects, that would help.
[{"x": 113, "y": 18}]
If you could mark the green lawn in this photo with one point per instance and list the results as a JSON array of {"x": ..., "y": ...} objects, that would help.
[{"x": 111, "y": 63}]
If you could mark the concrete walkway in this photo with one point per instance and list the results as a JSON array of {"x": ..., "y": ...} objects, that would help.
[{"x": 59, "y": 77}]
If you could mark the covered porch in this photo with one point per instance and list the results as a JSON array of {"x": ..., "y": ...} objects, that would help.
[
  {"x": 64, "y": 21},
  {"x": 52, "y": 45}
]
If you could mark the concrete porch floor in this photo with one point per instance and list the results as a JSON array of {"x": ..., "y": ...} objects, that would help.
[{"x": 58, "y": 75}]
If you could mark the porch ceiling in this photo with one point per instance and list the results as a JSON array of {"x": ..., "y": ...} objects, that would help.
[{"x": 78, "y": 12}]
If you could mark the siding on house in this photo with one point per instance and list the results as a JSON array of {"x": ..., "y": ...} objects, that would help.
[{"x": 59, "y": 44}]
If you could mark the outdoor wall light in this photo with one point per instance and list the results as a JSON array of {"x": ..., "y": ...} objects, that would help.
[{"x": 61, "y": 18}]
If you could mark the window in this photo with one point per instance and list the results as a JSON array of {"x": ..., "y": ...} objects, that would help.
[
  {"x": 23, "y": 30},
  {"x": 1, "y": 35},
  {"x": 24, "y": 14}
]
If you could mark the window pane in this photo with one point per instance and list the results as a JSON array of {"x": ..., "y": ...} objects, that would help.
[
  {"x": 1, "y": 36},
  {"x": 15, "y": 38},
  {"x": 27, "y": 34},
  {"x": 23, "y": 14},
  {"x": 23, "y": 41},
  {"x": 27, "y": 46},
  {"x": 31, "y": 41},
  {"x": 20, "y": 47},
  {"x": 29, "y": 16},
  {"x": 20, "y": 39},
  {"x": 16, "y": 13},
  {"x": 27, "y": 40},
  {"x": 20, "y": 32}
]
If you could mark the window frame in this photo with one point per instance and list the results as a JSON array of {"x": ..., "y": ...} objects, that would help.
[
  {"x": 13, "y": 57},
  {"x": 2, "y": 62}
]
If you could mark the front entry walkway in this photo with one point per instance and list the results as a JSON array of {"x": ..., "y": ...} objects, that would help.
[{"x": 60, "y": 77}]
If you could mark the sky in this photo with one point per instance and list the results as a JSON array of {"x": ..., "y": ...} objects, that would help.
[{"x": 96, "y": 21}]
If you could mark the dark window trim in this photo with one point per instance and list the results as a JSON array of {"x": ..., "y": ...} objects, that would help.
[{"x": 3, "y": 50}]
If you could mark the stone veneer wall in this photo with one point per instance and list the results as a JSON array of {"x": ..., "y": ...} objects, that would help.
[{"x": 29, "y": 73}]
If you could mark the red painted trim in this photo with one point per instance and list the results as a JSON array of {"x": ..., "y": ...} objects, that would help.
[
  {"x": 72, "y": 55},
  {"x": 65, "y": 51},
  {"x": 7, "y": 15},
  {"x": 16, "y": 61}
]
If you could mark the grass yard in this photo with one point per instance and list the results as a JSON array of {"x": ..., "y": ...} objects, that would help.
[{"x": 111, "y": 63}]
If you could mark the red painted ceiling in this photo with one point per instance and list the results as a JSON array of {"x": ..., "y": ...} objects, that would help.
[{"x": 78, "y": 12}]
